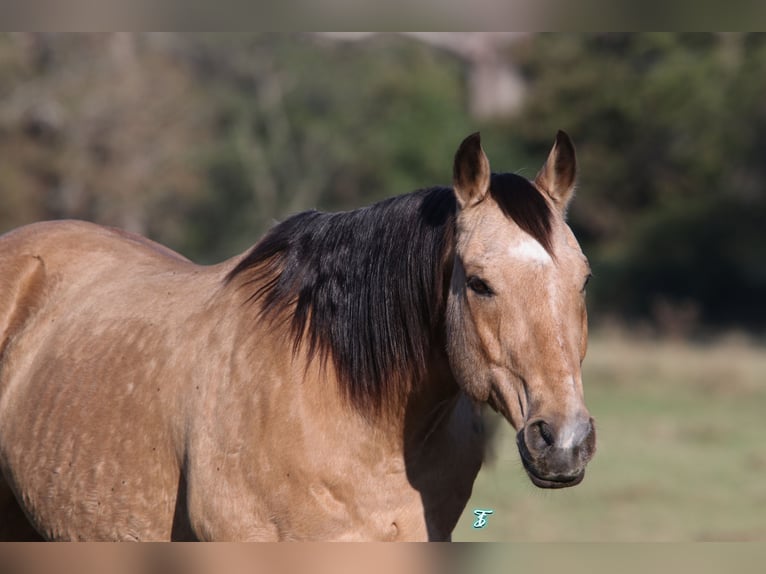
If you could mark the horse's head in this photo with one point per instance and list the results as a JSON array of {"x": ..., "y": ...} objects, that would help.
[{"x": 516, "y": 321}]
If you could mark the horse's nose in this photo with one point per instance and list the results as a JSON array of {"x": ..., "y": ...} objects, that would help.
[
  {"x": 555, "y": 455},
  {"x": 541, "y": 435}
]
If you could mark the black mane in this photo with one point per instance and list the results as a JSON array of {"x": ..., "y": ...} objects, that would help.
[{"x": 367, "y": 288}]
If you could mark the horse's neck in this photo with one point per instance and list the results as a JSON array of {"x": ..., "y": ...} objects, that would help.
[
  {"x": 430, "y": 403},
  {"x": 416, "y": 423},
  {"x": 443, "y": 451},
  {"x": 414, "y": 469}
]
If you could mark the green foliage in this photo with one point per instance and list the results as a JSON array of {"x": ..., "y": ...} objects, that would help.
[
  {"x": 707, "y": 256},
  {"x": 670, "y": 136},
  {"x": 644, "y": 113}
]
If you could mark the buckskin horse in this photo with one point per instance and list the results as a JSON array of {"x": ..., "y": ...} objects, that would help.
[{"x": 325, "y": 385}]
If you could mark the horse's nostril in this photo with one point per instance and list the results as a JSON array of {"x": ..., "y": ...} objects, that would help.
[
  {"x": 539, "y": 436},
  {"x": 545, "y": 432}
]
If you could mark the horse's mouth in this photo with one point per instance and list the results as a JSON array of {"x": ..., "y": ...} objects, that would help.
[
  {"x": 549, "y": 480},
  {"x": 554, "y": 481}
]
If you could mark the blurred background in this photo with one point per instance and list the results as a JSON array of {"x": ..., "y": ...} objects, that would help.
[{"x": 203, "y": 141}]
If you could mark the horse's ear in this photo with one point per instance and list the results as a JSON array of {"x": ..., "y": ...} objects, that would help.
[
  {"x": 557, "y": 176},
  {"x": 470, "y": 174}
]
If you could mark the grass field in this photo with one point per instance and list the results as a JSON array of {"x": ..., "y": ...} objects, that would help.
[{"x": 681, "y": 452}]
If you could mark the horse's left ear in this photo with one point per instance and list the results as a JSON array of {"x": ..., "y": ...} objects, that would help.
[
  {"x": 557, "y": 176},
  {"x": 471, "y": 173}
]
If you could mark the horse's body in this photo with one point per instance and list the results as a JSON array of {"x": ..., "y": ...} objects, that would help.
[{"x": 275, "y": 396}]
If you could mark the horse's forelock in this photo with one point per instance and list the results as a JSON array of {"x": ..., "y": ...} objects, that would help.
[{"x": 525, "y": 205}]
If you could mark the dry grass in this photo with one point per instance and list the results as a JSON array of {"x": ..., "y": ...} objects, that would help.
[{"x": 732, "y": 364}]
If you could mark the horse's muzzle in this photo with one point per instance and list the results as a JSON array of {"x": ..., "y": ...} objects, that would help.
[{"x": 550, "y": 464}]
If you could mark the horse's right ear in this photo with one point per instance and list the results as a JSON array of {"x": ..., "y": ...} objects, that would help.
[
  {"x": 557, "y": 176},
  {"x": 470, "y": 175}
]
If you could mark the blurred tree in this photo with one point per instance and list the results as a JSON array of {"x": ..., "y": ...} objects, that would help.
[
  {"x": 96, "y": 126},
  {"x": 202, "y": 140},
  {"x": 305, "y": 122}
]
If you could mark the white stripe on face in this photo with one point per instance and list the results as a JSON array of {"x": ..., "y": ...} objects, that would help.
[
  {"x": 569, "y": 433},
  {"x": 528, "y": 249}
]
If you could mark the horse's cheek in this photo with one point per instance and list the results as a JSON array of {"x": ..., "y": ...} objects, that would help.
[{"x": 467, "y": 366}]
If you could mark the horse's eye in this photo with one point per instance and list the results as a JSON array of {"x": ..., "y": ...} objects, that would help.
[
  {"x": 479, "y": 286},
  {"x": 587, "y": 280}
]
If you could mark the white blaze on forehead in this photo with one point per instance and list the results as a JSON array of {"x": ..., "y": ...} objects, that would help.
[{"x": 528, "y": 249}]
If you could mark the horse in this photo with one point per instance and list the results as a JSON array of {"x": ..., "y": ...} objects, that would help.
[{"x": 327, "y": 384}]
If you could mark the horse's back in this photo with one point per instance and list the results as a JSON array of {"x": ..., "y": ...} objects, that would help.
[
  {"x": 89, "y": 320},
  {"x": 69, "y": 244}
]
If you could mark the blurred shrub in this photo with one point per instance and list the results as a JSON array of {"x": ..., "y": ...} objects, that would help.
[{"x": 693, "y": 262}]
